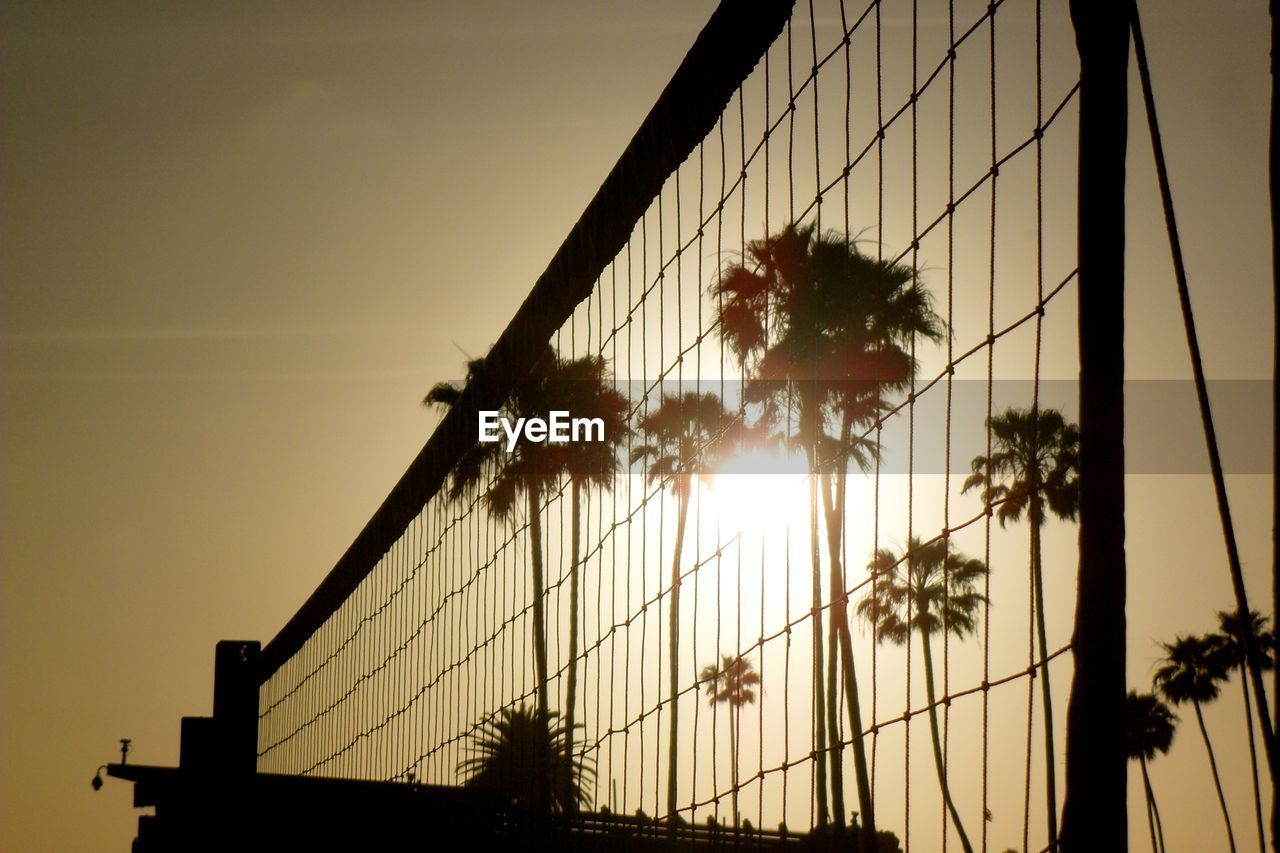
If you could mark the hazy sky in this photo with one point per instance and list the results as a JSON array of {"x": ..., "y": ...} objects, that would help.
[{"x": 239, "y": 241}]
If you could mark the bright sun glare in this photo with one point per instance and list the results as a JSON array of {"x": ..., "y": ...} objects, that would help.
[{"x": 758, "y": 493}]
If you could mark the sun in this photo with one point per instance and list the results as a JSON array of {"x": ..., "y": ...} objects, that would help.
[{"x": 758, "y": 493}]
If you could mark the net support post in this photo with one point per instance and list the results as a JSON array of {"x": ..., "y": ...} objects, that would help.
[
  {"x": 223, "y": 748},
  {"x": 1095, "y": 815}
]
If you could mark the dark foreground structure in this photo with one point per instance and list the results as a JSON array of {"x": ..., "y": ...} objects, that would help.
[{"x": 215, "y": 800}]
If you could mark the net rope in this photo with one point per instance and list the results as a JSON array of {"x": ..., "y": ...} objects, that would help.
[{"x": 850, "y": 107}]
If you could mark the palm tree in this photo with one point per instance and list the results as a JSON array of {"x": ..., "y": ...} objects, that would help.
[
  {"x": 524, "y": 755},
  {"x": 930, "y": 588},
  {"x": 683, "y": 438},
  {"x": 526, "y": 472},
  {"x": 584, "y": 388},
  {"x": 1190, "y": 672},
  {"x": 733, "y": 682},
  {"x": 580, "y": 386},
  {"x": 1033, "y": 466},
  {"x": 824, "y": 328},
  {"x": 1149, "y": 726},
  {"x": 1229, "y": 642}
]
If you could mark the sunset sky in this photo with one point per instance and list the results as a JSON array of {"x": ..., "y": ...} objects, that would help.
[{"x": 240, "y": 241}]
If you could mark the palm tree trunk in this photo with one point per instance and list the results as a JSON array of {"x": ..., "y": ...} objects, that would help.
[
  {"x": 733, "y": 761},
  {"x": 539, "y": 615},
  {"x": 1155, "y": 810},
  {"x": 1151, "y": 803},
  {"x": 571, "y": 687},
  {"x": 819, "y": 696},
  {"x": 1046, "y": 690},
  {"x": 840, "y": 624},
  {"x": 1217, "y": 780},
  {"x": 682, "y": 497},
  {"x": 937, "y": 744},
  {"x": 833, "y": 691},
  {"x": 1155, "y": 807},
  {"x": 1253, "y": 758}
]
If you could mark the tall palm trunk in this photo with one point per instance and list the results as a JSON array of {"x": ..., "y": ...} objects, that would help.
[
  {"x": 833, "y": 687},
  {"x": 1151, "y": 819},
  {"x": 539, "y": 605},
  {"x": 1253, "y": 757},
  {"x": 1156, "y": 827},
  {"x": 819, "y": 695},
  {"x": 1217, "y": 780},
  {"x": 733, "y": 761},
  {"x": 1046, "y": 690},
  {"x": 682, "y": 497},
  {"x": 571, "y": 686},
  {"x": 840, "y": 626},
  {"x": 937, "y": 744}
]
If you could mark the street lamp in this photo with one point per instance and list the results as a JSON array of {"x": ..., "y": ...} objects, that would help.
[{"x": 124, "y": 757}]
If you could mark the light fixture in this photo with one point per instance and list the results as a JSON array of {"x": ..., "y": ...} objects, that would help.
[{"x": 124, "y": 757}]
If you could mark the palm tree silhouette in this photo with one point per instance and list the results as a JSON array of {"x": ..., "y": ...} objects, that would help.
[
  {"x": 732, "y": 682},
  {"x": 1229, "y": 642},
  {"x": 930, "y": 588},
  {"x": 1190, "y": 672},
  {"x": 525, "y": 756},
  {"x": 824, "y": 327},
  {"x": 526, "y": 473},
  {"x": 1033, "y": 466},
  {"x": 683, "y": 439},
  {"x": 1149, "y": 727},
  {"x": 584, "y": 388}
]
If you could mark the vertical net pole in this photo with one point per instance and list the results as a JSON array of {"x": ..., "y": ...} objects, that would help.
[{"x": 1095, "y": 813}]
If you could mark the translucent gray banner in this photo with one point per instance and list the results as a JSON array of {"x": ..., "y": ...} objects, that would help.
[{"x": 947, "y": 421}]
